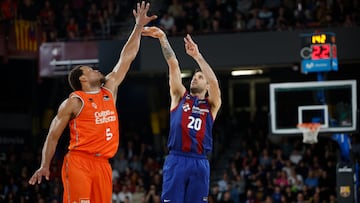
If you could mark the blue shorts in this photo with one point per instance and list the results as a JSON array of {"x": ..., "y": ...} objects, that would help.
[{"x": 186, "y": 179}]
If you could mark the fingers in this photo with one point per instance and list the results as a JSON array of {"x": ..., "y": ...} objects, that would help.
[
  {"x": 147, "y": 6},
  {"x": 189, "y": 39},
  {"x": 153, "y": 17},
  {"x": 138, "y": 7},
  {"x": 151, "y": 32},
  {"x": 36, "y": 178},
  {"x": 143, "y": 7},
  {"x": 31, "y": 181},
  {"x": 145, "y": 31}
]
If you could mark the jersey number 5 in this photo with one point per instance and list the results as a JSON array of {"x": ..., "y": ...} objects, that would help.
[{"x": 108, "y": 134}]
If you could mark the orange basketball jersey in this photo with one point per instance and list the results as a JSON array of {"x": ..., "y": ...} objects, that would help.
[{"x": 95, "y": 130}]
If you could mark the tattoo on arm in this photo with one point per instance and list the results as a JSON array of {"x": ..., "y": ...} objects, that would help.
[{"x": 167, "y": 50}]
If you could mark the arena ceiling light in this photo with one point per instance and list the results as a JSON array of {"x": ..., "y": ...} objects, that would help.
[
  {"x": 246, "y": 72},
  {"x": 186, "y": 74}
]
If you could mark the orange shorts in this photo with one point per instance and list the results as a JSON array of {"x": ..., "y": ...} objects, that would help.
[{"x": 86, "y": 178}]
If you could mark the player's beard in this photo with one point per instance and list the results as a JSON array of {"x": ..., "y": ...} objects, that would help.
[
  {"x": 102, "y": 79},
  {"x": 195, "y": 90}
]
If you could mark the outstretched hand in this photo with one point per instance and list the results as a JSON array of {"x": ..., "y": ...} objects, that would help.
[
  {"x": 190, "y": 46},
  {"x": 140, "y": 14},
  {"x": 153, "y": 31},
  {"x": 37, "y": 177}
]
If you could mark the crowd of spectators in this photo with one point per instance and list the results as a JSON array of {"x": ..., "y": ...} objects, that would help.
[
  {"x": 291, "y": 172},
  {"x": 101, "y": 19},
  {"x": 260, "y": 171}
]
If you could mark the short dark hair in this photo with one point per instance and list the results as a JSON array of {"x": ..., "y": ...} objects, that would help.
[
  {"x": 197, "y": 70},
  {"x": 74, "y": 76}
]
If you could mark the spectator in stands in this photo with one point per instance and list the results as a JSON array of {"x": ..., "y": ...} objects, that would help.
[
  {"x": 152, "y": 196},
  {"x": 47, "y": 16},
  {"x": 88, "y": 33},
  {"x": 240, "y": 185},
  {"x": 120, "y": 162},
  {"x": 312, "y": 180},
  {"x": 8, "y": 13},
  {"x": 239, "y": 23},
  {"x": 167, "y": 23},
  {"x": 224, "y": 182},
  {"x": 250, "y": 196},
  {"x": 175, "y": 9},
  {"x": 281, "y": 179},
  {"x": 277, "y": 194},
  {"x": 267, "y": 18},
  {"x": 28, "y": 10},
  {"x": 227, "y": 198},
  {"x": 8, "y": 10},
  {"x": 244, "y": 6},
  {"x": 282, "y": 21},
  {"x": 253, "y": 22},
  {"x": 72, "y": 28},
  {"x": 265, "y": 158},
  {"x": 204, "y": 21}
]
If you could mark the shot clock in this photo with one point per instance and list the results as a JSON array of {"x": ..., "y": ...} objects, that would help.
[{"x": 318, "y": 52}]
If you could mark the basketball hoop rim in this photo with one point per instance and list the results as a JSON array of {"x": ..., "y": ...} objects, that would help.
[
  {"x": 310, "y": 132},
  {"x": 309, "y": 126}
]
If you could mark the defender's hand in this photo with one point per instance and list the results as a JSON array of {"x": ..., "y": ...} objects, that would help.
[
  {"x": 37, "y": 177},
  {"x": 153, "y": 31},
  {"x": 140, "y": 14}
]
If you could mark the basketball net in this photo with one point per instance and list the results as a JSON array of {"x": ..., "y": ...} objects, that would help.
[{"x": 310, "y": 132}]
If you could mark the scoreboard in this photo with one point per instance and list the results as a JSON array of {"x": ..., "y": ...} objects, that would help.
[{"x": 318, "y": 52}]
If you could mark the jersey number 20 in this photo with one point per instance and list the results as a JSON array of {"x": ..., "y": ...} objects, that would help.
[{"x": 195, "y": 123}]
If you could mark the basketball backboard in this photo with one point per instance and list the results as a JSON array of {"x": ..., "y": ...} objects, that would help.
[{"x": 333, "y": 104}]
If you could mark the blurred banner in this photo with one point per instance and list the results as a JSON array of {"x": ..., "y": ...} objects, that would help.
[
  {"x": 25, "y": 35},
  {"x": 57, "y": 58},
  {"x": 24, "y": 38}
]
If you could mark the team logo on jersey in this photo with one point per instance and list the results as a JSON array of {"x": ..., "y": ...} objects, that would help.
[
  {"x": 186, "y": 107},
  {"x": 345, "y": 191},
  {"x": 106, "y": 116},
  {"x": 106, "y": 98},
  {"x": 93, "y": 103},
  {"x": 200, "y": 111}
]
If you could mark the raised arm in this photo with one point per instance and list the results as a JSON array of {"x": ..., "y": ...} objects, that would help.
[
  {"x": 177, "y": 89},
  {"x": 214, "y": 93},
  {"x": 130, "y": 49},
  {"x": 65, "y": 112}
]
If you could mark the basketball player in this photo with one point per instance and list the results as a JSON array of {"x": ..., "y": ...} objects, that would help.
[
  {"x": 186, "y": 171},
  {"x": 91, "y": 114}
]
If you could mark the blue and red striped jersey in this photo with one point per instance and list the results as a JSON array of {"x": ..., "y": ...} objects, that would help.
[{"x": 191, "y": 125}]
